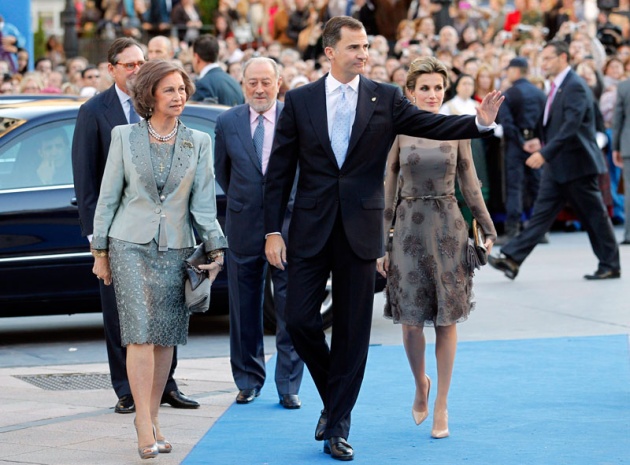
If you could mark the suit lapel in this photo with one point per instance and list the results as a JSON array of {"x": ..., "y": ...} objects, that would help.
[
  {"x": 184, "y": 151},
  {"x": 141, "y": 158},
  {"x": 114, "y": 112},
  {"x": 242, "y": 127},
  {"x": 366, "y": 102},
  {"x": 318, "y": 115}
]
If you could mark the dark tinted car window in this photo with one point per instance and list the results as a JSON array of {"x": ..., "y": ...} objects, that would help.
[{"x": 39, "y": 157}]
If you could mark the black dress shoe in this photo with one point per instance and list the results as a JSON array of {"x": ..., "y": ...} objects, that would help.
[
  {"x": 125, "y": 405},
  {"x": 625, "y": 242},
  {"x": 505, "y": 264},
  {"x": 177, "y": 399},
  {"x": 290, "y": 401},
  {"x": 321, "y": 426},
  {"x": 603, "y": 274},
  {"x": 338, "y": 448},
  {"x": 245, "y": 396}
]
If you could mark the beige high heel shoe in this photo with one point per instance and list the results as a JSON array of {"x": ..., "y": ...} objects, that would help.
[
  {"x": 443, "y": 432},
  {"x": 419, "y": 417},
  {"x": 147, "y": 452}
]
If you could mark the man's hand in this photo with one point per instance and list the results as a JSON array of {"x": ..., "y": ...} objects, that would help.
[
  {"x": 532, "y": 145},
  {"x": 487, "y": 111},
  {"x": 382, "y": 265},
  {"x": 276, "y": 251},
  {"x": 617, "y": 160},
  {"x": 535, "y": 161}
]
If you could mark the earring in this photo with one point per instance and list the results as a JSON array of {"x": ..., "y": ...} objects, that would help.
[{"x": 414, "y": 100}]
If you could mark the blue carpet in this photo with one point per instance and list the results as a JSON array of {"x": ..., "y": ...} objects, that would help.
[{"x": 541, "y": 401}]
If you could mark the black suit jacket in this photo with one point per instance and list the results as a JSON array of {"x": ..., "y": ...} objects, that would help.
[
  {"x": 570, "y": 146},
  {"x": 90, "y": 145},
  {"x": 356, "y": 190},
  {"x": 219, "y": 87}
]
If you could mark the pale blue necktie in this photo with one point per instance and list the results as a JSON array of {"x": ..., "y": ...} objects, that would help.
[
  {"x": 259, "y": 138},
  {"x": 341, "y": 128},
  {"x": 133, "y": 116}
]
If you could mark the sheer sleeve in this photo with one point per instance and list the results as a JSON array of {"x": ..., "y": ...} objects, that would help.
[
  {"x": 471, "y": 188},
  {"x": 391, "y": 186}
]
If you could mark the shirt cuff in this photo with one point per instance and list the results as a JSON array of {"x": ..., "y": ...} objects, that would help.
[
  {"x": 273, "y": 234},
  {"x": 482, "y": 128}
]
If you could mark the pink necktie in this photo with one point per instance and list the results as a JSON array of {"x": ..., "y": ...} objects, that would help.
[{"x": 552, "y": 94}]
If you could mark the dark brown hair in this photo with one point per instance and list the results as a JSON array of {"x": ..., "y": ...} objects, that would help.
[
  {"x": 332, "y": 30},
  {"x": 118, "y": 45}
]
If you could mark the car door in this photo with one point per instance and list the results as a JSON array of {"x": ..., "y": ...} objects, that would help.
[{"x": 42, "y": 254}]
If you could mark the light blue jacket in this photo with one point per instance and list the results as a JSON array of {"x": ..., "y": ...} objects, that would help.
[{"x": 129, "y": 206}]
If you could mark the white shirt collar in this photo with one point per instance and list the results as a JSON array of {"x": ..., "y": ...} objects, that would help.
[
  {"x": 332, "y": 84},
  {"x": 122, "y": 96},
  {"x": 269, "y": 114}
]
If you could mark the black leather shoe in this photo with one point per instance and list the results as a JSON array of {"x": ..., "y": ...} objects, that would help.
[
  {"x": 177, "y": 399},
  {"x": 338, "y": 448},
  {"x": 321, "y": 426},
  {"x": 625, "y": 242},
  {"x": 603, "y": 274},
  {"x": 125, "y": 405},
  {"x": 245, "y": 396},
  {"x": 505, "y": 264},
  {"x": 290, "y": 401}
]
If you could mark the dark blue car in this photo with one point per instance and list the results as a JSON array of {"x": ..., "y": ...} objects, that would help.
[{"x": 45, "y": 264}]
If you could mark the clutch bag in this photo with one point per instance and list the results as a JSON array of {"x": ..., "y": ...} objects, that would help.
[
  {"x": 477, "y": 252},
  {"x": 197, "y": 286}
]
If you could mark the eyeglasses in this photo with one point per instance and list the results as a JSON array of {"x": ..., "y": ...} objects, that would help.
[
  {"x": 132, "y": 65},
  {"x": 548, "y": 57}
]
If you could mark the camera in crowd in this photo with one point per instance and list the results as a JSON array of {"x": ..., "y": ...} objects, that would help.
[{"x": 528, "y": 29}]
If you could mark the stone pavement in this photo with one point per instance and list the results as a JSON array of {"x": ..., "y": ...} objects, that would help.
[{"x": 549, "y": 298}]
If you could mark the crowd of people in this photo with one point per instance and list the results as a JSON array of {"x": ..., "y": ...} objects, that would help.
[
  {"x": 470, "y": 40},
  {"x": 451, "y": 62}
]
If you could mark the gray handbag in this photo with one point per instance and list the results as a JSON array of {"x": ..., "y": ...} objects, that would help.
[{"x": 197, "y": 286}]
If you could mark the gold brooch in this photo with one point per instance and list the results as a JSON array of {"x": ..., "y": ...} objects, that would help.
[{"x": 187, "y": 144}]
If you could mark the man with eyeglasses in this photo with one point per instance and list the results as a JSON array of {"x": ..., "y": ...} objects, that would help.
[{"x": 90, "y": 146}]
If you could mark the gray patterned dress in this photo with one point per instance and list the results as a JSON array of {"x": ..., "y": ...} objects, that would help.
[
  {"x": 428, "y": 282},
  {"x": 150, "y": 284}
]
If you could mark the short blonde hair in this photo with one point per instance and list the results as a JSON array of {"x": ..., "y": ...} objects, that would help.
[
  {"x": 147, "y": 79},
  {"x": 426, "y": 65}
]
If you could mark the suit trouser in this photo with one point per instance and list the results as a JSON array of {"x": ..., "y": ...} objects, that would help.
[
  {"x": 519, "y": 178},
  {"x": 585, "y": 197},
  {"x": 246, "y": 284},
  {"x": 116, "y": 353},
  {"x": 338, "y": 370}
]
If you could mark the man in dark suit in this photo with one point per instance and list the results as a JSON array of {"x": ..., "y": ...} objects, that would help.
[
  {"x": 337, "y": 218},
  {"x": 90, "y": 146},
  {"x": 621, "y": 147},
  {"x": 214, "y": 85},
  {"x": 242, "y": 148},
  {"x": 519, "y": 115},
  {"x": 566, "y": 149}
]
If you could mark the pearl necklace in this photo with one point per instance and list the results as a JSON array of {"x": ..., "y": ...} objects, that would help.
[{"x": 165, "y": 138}]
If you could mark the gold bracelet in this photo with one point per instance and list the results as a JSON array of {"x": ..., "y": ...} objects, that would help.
[
  {"x": 214, "y": 254},
  {"x": 99, "y": 253}
]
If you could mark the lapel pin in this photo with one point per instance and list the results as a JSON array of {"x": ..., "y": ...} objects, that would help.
[{"x": 374, "y": 99}]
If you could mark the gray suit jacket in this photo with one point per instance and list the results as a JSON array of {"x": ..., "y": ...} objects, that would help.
[
  {"x": 621, "y": 120},
  {"x": 129, "y": 206}
]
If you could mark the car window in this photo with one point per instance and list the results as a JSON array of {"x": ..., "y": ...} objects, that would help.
[
  {"x": 39, "y": 157},
  {"x": 203, "y": 125}
]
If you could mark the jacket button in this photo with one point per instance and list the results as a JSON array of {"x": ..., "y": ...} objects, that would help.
[
  {"x": 162, "y": 197},
  {"x": 158, "y": 210}
]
